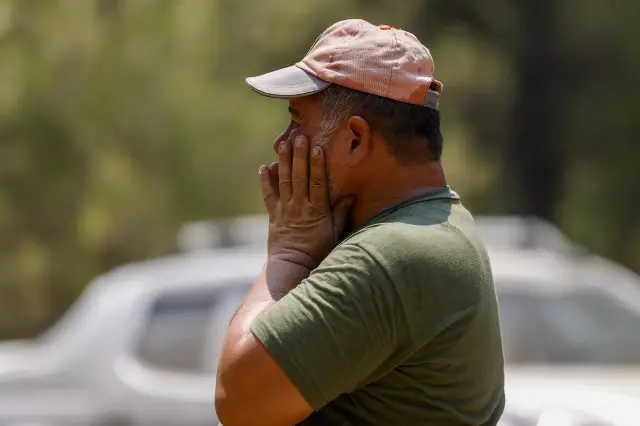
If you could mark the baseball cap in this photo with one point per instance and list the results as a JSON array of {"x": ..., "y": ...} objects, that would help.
[{"x": 376, "y": 59}]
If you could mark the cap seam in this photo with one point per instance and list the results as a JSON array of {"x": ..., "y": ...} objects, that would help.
[
  {"x": 287, "y": 85},
  {"x": 274, "y": 96},
  {"x": 395, "y": 65},
  {"x": 306, "y": 68}
]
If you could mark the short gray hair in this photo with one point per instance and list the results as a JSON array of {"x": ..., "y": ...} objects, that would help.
[{"x": 412, "y": 132}]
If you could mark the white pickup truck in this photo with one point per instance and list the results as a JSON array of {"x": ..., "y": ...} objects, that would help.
[{"x": 139, "y": 347}]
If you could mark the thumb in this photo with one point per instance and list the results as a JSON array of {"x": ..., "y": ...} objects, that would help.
[{"x": 341, "y": 214}]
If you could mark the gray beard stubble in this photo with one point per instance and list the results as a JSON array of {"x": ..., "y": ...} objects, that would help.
[{"x": 322, "y": 139}]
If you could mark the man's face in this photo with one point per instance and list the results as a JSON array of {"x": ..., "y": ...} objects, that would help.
[{"x": 307, "y": 116}]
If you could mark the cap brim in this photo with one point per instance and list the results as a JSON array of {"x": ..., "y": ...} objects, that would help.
[{"x": 287, "y": 83}]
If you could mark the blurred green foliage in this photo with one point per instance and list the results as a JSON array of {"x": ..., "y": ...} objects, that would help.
[{"x": 122, "y": 119}]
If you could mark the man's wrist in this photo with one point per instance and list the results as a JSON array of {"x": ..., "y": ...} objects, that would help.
[
  {"x": 283, "y": 274},
  {"x": 293, "y": 257},
  {"x": 278, "y": 277}
]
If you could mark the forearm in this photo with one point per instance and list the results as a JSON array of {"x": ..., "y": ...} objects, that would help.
[
  {"x": 235, "y": 386},
  {"x": 252, "y": 388}
]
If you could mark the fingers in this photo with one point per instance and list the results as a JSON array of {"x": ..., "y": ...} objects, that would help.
[
  {"x": 268, "y": 190},
  {"x": 275, "y": 178},
  {"x": 300, "y": 170},
  {"x": 284, "y": 135},
  {"x": 284, "y": 170},
  {"x": 318, "y": 191}
]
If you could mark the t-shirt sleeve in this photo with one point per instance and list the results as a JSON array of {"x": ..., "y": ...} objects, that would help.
[{"x": 337, "y": 328}]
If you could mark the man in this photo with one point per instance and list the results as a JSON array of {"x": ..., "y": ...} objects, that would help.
[{"x": 376, "y": 304}]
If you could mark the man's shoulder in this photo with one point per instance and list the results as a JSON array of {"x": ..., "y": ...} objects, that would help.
[
  {"x": 413, "y": 236},
  {"x": 437, "y": 268},
  {"x": 424, "y": 259}
]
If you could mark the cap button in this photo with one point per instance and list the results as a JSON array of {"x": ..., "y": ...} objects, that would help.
[{"x": 386, "y": 27}]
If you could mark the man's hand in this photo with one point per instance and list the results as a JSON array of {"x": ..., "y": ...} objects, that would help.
[
  {"x": 303, "y": 227},
  {"x": 251, "y": 387}
]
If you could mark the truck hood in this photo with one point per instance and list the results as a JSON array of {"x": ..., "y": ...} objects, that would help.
[
  {"x": 18, "y": 357},
  {"x": 620, "y": 380},
  {"x": 567, "y": 404}
]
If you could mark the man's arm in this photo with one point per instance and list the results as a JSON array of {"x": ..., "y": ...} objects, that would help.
[
  {"x": 328, "y": 336},
  {"x": 251, "y": 388}
]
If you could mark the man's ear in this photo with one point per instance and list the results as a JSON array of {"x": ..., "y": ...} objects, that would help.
[{"x": 360, "y": 134}]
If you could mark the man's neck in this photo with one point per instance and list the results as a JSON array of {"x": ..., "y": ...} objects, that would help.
[{"x": 394, "y": 187}]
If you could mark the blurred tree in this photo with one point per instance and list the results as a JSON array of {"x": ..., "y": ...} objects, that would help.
[
  {"x": 120, "y": 120},
  {"x": 535, "y": 157}
]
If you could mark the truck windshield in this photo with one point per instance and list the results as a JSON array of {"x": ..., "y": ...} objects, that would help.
[{"x": 75, "y": 317}]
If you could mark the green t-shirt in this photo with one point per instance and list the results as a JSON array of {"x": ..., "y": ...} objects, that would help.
[{"x": 398, "y": 325}]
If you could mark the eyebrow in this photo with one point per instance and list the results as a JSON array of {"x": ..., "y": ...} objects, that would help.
[{"x": 294, "y": 112}]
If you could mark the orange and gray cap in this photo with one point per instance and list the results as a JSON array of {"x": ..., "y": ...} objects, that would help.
[{"x": 380, "y": 60}]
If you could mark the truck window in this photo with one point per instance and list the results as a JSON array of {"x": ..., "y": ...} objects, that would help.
[
  {"x": 174, "y": 332},
  {"x": 177, "y": 333},
  {"x": 218, "y": 324}
]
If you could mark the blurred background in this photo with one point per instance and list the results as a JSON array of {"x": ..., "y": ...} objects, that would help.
[{"x": 126, "y": 123}]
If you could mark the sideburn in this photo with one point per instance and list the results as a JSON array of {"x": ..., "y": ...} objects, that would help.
[{"x": 325, "y": 133}]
